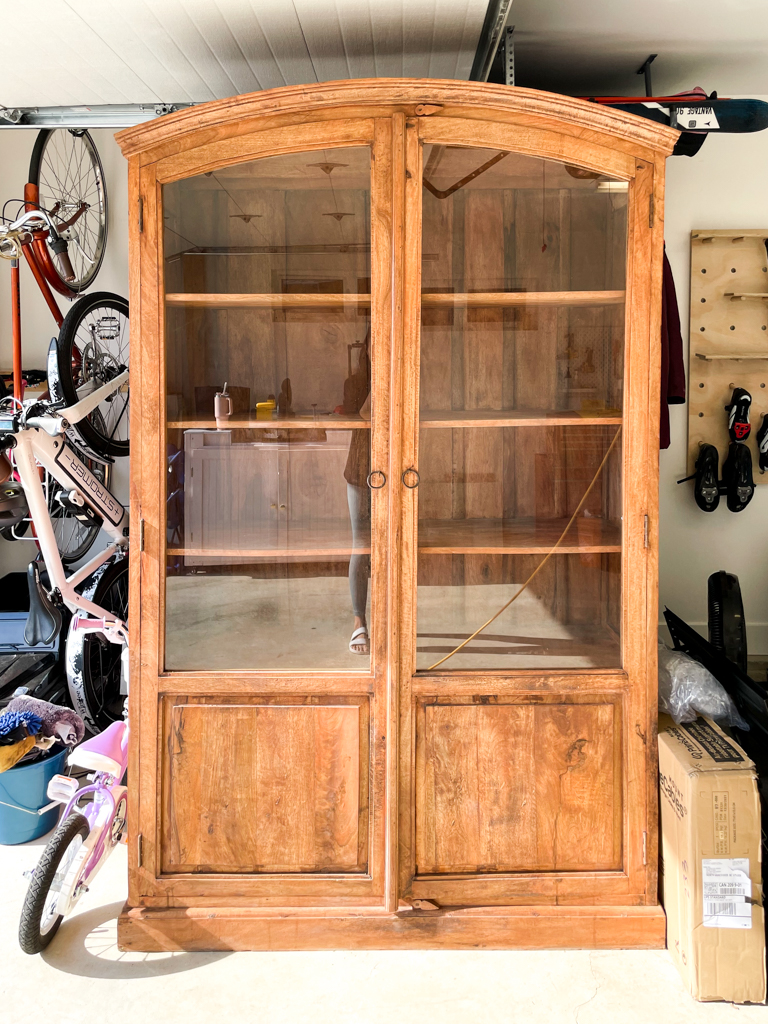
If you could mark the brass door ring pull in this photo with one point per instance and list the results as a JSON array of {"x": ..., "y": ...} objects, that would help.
[
  {"x": 415, "y": 473},
  {"x": 369, "y": 481}
]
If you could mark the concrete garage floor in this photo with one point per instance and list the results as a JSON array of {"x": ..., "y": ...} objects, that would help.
[{"x": 84, "y": 978}]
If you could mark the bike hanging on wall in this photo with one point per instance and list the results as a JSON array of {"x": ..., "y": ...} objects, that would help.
[{"x": 64, "y": 247}]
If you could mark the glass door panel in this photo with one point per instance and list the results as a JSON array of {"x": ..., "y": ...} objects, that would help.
[
  {"x": 520, "y": 413},
  {"x": 267, "y": 280}
]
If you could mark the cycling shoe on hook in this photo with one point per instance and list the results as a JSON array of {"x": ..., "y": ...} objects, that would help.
[
  {"x": 737, "y": 477},
  {"x": 738, "y": 414},
  {"x": 706, "y": 488},
  {"x": 762, "y": 444}
]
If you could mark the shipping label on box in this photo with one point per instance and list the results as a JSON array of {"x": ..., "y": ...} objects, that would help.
[{"x": 711, "y": 862}]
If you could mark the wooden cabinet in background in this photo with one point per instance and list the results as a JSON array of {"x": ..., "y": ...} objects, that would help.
[{"x": 437, "y": 309}]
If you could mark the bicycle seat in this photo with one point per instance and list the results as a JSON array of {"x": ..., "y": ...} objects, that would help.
[
  {"x": 44, "y": 620},
  {"x": 102, "y": 753}
]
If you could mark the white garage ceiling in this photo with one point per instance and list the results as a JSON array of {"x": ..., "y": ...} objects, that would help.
[
  {"x": 146, "y": 51},
  {"x": 139, "y": 51},
  {"x": 594, "y": 47}
]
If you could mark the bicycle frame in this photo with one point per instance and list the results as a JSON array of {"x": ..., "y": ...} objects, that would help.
[
  {"x": 100, "y": 814},
  {"x": 42, "y": 440},
  {"x": 44, "y": 272}
]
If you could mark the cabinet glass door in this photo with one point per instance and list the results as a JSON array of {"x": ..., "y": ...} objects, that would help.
[
  {"x": 520, "y": 413},
  {"x": 268, "y": 372}
]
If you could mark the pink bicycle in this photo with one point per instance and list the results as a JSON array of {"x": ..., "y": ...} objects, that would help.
[{"x": 83, "y": 840}]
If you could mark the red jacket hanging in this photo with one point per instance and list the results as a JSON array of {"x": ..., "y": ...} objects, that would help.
[{"x": 672, "y": 366}]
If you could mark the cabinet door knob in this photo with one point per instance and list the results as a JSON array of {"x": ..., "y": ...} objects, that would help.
[
  {"x": 376, "y": 473},
  {"x": 413, "y": 473}
]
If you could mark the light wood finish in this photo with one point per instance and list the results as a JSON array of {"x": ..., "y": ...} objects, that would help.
[
  {"x": 527, "y": 797},
  {"x": 305, "y": 807},
  {"x": 728, "y": 338},
  {"x": 514, "y": 418},
  {"x": 510, "y": 299},
  {"x": 511, "y": 536},
  {"x": 503, "y": 788},
  {"x": 292, "y": 423}
]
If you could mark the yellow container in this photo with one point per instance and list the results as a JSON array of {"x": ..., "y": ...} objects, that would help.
[{"x": 264, "y": 410}]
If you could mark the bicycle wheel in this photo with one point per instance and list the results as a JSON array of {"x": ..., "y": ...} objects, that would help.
[
  {"x": 75, "y": 538},
  {"x": 39, "y": 920},
  {"x": 66, "y": 168},
  {"x": 93, "y": 663},
  {"x": 92, "y": 349}
]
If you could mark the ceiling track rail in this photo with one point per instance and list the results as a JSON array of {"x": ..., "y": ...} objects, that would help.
[
  {"x": 106, "y": 115},
  {"x": 490, "y": 39}
]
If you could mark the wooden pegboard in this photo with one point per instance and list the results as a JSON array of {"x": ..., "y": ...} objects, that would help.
[{"x": 728, "y": 344}]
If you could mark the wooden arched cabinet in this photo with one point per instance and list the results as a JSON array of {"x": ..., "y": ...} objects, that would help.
[{"x": 437, "y": 309}]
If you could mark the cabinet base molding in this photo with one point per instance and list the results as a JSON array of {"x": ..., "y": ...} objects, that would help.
[{"x": 152, "y": 930}]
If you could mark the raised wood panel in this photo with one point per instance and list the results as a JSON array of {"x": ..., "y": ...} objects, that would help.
[
  {"x": 510, "y": 787},
  {"x": 266, "y": 788}
]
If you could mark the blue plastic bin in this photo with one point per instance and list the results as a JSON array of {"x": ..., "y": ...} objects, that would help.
[{"x": 22, "y": 794}]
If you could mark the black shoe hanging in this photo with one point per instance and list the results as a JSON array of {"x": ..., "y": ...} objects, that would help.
[
  {"x": 762, "y": 444},
  {"x": 737, "y": 477},
  {"x": 706, "y": 489},
  {"x": 738, "y": 414}
]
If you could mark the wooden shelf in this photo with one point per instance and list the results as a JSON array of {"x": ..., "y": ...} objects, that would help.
[
  {"x": 604, "y": 298},
  {"x": 736, "y": 296},
  {"x": 284, "y": 423},
  {"x": 514, "y": 418},
  {"x": 266, "y": 300},
  {"x": 333, "y": 539},
  {"x": 711, "y": 357},
  {"x": 322, "y": 300},
  {"x": 516, "y": 536}
]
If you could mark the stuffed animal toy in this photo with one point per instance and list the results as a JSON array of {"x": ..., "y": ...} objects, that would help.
[{"x": 62, "y": 723}]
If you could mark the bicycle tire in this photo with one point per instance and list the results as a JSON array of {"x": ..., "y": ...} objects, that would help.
[
  {"x": 93, "y": 664},
  {"x": 87, "y": 360},
  {"x": 57, "y": 185},
  {"x": 31, "y": 938}
]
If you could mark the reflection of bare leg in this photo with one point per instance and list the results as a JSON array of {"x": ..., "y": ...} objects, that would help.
[{"x": 359, "y": 564}]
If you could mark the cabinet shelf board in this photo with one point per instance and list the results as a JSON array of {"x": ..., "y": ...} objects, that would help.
[
  {"x": 710, "y": 357},
  {"x": 514, "y": 418},
  {"x": 516, "y": 536},
  {"x": 323, "y": 300},
  {"x": 435, "y": 537},
  {"x": 601, "y": 298},
  {"x": 288, "y": 423},
  {"x": 265, "y": 300}
]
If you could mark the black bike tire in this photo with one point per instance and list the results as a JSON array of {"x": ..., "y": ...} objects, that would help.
[
  {"x": 30, "y": 938},
  {"x": 78, "y": 652},
  {"x": 34, "y": 176},
  {"x": 89, "y": 539},
  {"x": 104, "y": 446}
]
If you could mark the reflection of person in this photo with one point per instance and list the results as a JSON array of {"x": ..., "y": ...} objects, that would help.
[{"x": 357, "y": 400}]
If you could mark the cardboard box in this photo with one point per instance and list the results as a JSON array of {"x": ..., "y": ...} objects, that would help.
[{"x": 711, "y": 862}]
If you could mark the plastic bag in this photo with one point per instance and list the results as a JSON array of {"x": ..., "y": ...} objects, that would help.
[{"x": 687, "y": 689}]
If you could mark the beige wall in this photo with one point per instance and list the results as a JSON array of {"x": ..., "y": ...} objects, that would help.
[{"x": 724, "y": 186}]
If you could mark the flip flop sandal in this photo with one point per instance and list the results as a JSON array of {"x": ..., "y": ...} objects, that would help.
[
  {"x": 362, "y": 631},
  {"x": 737, "y": 477},
  {"x": 738, "y": 415},
  {"x": 706, "y": 489}
]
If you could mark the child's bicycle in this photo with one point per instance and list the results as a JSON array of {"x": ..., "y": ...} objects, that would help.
[{"x": 84, "y": 839}]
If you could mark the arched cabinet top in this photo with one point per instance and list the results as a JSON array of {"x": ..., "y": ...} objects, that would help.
[{"x": 221, "y": 120}]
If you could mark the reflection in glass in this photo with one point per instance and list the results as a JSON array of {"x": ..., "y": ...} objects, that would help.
[
  {"x": 521, "y": 398},
  {"x": 267, "y": 281}
]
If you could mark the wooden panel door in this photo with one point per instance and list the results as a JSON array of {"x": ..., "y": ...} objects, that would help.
[
  {"x": 258, "y": 755},
  {"x": 524, "y": 689}
]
